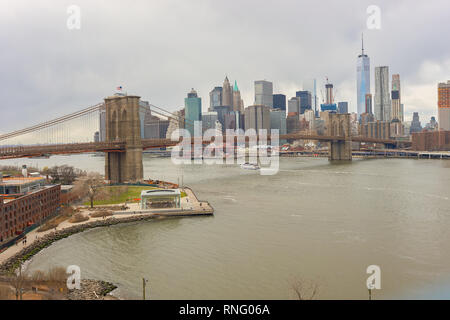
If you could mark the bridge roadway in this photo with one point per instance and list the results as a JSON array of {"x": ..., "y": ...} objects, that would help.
[{"x": 120, "y": 146}]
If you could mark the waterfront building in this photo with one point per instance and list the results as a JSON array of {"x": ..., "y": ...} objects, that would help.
[
  {"x": 160, "y": 198},
  {"x": 227, "y": 94},
  {"x": 215, "y": 98},
  {"x": 343, "y": 107},
  {"x": 257, "y": 117},
  {"x": 193, "y": 110},
  {"x": 444, "y": 106},
  {"x": 382, "y": 100},
  {"x": 395, "y": 96},
  {"x": 305, "y": 100},
  {"x": 264, "y": 93},
  {"x": 362, "y": 80},
  {"x": 279, "y": 101},
  {"x": 294, "y": 105},
  {"x": 431, "y": 141},
  {"x": 415, "y": 123},
  {"x": 24, "y": 202}
]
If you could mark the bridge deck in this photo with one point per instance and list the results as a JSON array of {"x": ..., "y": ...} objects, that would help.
[{"x": 119, "y": 146}]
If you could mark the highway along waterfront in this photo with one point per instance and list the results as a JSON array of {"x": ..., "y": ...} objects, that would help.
[{"x": 314, "y": 221}]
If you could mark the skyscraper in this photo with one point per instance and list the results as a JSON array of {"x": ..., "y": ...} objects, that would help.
[
  {"x": 343, "y": 107},
  {"x": 279, "y": 101},
  {"x": 278, "y": 121},
  {"x": 395, "y": 95},
  {"x": 264, "y": 93},
  {"x": 444, "y": 106},
  {"x": 294, "y": 105},
  {"x": 368, "y": 105},
  {"x": 305, "y": 100},
  {"x": 382, "y": 101},
  {"x": 257, "y": 117},
  {"x": 215, "y": 98},
  {"x": 329, "y": 104},
  {"x": 209, "y": 120},
  {"x": 227, "y": 93},
  {"x": 362, "y": 79},
  {"x": 415, "y": 123},
  {"x": 238, "y": 103},
  {"x": 193, "y": 110}
]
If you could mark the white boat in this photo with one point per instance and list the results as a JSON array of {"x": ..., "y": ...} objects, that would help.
[{"x": 249, "y": 166}]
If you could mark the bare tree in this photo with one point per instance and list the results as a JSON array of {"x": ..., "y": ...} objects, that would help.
[
  {"x": 93, "y": 183},
  {"x": 305, "y": 290},
  {"x": 18, "y": 281}
]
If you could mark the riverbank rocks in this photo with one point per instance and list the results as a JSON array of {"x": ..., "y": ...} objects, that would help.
[
  {"x": 92, "y": 290},
  {"x": 88, "y": 287}
]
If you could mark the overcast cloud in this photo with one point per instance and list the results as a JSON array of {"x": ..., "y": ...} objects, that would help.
[{"x": 161, "y": 49}]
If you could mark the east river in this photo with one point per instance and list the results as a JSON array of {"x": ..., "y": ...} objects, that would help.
[{"x": 314, "y": 221}]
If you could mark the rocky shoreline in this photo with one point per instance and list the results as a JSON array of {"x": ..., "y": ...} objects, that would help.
[{"x": 90, "y": 289}]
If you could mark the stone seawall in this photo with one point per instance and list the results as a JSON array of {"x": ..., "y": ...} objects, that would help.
[{"x": 15, "y": 261}]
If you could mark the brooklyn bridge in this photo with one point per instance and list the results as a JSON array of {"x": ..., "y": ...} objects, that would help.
[{"x": 123, "y": 145}]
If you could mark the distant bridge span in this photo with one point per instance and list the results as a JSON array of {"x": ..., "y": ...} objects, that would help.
[
  {"x": 120, "y": 146},
  {"x": 123, "y": 145}
]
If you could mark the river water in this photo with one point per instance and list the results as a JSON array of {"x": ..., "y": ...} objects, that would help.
[{"x": 314, "y": 221}]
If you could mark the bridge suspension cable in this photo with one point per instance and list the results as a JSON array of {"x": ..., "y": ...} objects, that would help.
[{"x": 51, "y": 123}]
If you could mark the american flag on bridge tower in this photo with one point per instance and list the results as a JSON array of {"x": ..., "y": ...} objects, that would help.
[{"x": 119, "y": 88}]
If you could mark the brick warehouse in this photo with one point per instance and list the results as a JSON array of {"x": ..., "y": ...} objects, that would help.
[
  {"x": 27, "y": 204},
  {"x": 431, "y": 141}
]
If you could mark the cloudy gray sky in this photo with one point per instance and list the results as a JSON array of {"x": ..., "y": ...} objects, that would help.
[{"x": 161, "y": 49}]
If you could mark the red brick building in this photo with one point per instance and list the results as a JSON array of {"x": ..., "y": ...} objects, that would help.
[
  {"x": 431, "y": 141},
  {"x": 29, "y": 206}
]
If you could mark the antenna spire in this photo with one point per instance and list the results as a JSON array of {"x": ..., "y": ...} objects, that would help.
[{"x": 362, "y": 43}]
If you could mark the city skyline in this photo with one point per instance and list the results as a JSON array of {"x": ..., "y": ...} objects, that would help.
[{"x": 59, "y": 81}]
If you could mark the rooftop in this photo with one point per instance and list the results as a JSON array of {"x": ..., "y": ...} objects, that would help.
[
  {"x": 16, "y": 181},
  {"x": 160, "y": 192}
]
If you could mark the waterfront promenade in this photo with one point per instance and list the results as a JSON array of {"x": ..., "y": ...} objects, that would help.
[{"x": 190, "y": 206}]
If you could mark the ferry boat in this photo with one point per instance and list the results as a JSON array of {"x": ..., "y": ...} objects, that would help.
[{"x": 249, "y": 166}]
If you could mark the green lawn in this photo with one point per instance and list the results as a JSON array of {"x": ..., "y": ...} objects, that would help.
[{"x": 114, "y": 196}]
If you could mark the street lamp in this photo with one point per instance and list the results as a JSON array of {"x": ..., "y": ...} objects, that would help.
[{"x": 144, "y": 282}]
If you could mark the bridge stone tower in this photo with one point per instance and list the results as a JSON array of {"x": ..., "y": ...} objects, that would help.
[
  {"x": 339, "y": 125},
  {"x": 122, "y": 124}
]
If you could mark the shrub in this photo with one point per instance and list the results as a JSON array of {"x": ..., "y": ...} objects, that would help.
[{"x": 78, "y": 217}]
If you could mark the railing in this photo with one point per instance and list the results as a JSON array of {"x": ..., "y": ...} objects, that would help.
[{"x": 33, "y": 151}]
